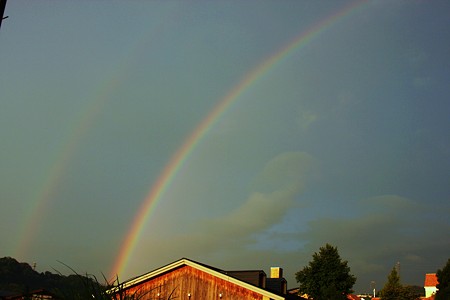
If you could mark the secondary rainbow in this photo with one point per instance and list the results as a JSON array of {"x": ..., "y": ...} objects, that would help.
[
  {"x": 42, "y": 200},
  {"x": 37, "y": 208},
  {"x": 190, "y": 143}
]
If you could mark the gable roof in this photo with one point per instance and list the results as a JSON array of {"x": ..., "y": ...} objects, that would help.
[
  {"x": 204, "y": 268},
  {"x": 430, "y": 279}
]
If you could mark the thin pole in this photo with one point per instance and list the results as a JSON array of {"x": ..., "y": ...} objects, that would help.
[{"x": 2, "y": 10}]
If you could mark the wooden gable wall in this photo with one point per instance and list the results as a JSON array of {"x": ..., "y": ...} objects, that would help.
[{"x": 187, "y": 280}]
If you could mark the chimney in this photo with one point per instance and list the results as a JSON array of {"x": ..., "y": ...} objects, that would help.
[
  {"x": 276, "y": 282},
  {"x": 276, "y": 272}
]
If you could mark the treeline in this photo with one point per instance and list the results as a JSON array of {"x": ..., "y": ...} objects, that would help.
[{"x": 17, "y": 277}]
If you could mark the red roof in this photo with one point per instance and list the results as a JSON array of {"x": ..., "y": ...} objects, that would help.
[{"x": 430, "y": 279}]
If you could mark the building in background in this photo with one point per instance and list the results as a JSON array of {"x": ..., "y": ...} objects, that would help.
[
  {"x": 39, "y": 294},
  {"x": 430, "y": 284}
]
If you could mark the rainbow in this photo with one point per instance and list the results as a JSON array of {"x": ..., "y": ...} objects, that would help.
[
  {"x": 40, "y": 203},
  {"x": 37, "y": 208},
  {"x": 190, "y": 143}
]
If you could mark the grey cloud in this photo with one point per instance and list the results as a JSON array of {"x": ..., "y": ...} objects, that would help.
[
  {"x": 275, "y": 189},
  {"x": 281, "y": 180},
  {"x": 386, "y": 229},
  {"x": 257, "y": 213},
  {"x": 287, "y": 171},
  {"x": 390, "y": 228}
]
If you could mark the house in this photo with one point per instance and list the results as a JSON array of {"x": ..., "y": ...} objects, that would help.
[
  {"x": 353, "y": 297},
  {"x": 40, "y": 294},
  {"x": 4, "y": 294},
  {"x": 430, "y": 284},
  {"x": 188, "y": 279}
]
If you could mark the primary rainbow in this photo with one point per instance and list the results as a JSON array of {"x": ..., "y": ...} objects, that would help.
[{"x": 179, "y": 158}]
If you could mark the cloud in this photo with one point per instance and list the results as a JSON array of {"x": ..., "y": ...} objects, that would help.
[
  {"x": 289, "y": 171},
  {"x": 260, "y": 211},
  {"x": 385, "y": 221},
  {"x": 273, "y": 193},
  {"x": 382, "y": 231},
  {"x": 387, "y": 229}
]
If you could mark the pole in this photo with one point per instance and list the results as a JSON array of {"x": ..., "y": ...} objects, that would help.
[{"x": 2, "y": 10}]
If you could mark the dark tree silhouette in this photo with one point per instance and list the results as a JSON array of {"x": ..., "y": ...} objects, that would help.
[
  {"x": 326, "y": 276},
  {"x": 443, "y": 277}
]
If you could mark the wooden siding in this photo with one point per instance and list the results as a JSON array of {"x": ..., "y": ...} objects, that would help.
[{"x": 187, "y": 280}]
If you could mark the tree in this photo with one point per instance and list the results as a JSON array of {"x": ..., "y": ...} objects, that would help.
[
  {"x": 326, "y": 276},
  {"x": 91, "y": 288},
  {"x": 414, "y": 291},
  {"x": 393, "y": 289},
  {"x": 443, "y": 286}
]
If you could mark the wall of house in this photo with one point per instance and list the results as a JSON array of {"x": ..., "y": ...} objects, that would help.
[
  {"x": 430, "y": 290},
  {"x": 187, "y": 283}
]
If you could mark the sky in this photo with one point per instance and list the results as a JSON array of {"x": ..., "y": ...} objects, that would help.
[{"x": 240, "y": 134}]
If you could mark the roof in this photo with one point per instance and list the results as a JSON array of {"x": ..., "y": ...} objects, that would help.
[
  {"x": 431, "y": 279},
  {"x": 38, "y": 292},
  {"x": 202, "y": 267},
  {"x": 6, "y": 293},
  {"x": 255, "y": 277}
]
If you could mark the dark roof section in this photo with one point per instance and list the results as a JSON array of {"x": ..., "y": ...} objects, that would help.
[
  {"x": 276, "y": 285},
  {"x": 255, "y": 277}
]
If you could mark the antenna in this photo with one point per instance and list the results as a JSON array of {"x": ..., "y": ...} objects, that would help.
[{"x": 397, "y": 268}]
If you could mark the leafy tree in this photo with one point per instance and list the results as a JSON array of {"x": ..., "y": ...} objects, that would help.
[
  {"x": 414, "y": 291},
  {"x": 91, "y": 288},
  {"x": 20, "y": 278},
  {"x": 326, "y": 276},
  {"x": 443, "y": 277}
]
